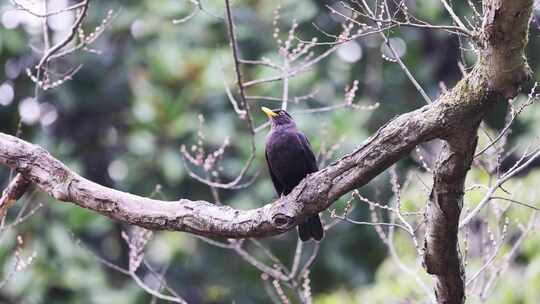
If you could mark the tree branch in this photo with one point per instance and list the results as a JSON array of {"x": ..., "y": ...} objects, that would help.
[
  {"x": 466, "y": 102},
  {"x": 316, "y": 193},
  {"x": 505, "y": 35},
  {"x": 442, "y": 257},
  {"x": 504, "y": 67},
  {"x": 15, "y": 190}
]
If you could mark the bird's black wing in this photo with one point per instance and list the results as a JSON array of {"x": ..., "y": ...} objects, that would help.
[
  {"x": 311, "y": 161},
  {"x": 277, "y": 184},
  {"x": 312, "y": 228}
]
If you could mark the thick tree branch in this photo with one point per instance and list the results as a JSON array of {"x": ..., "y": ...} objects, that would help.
[
  {"x": 504, "y": 37},
  {"x": 466, "y": 102},
  {"x": 502, "y": 63},
  {"x": 442, "y": 257},
  {"x": 316, "y": 193}
]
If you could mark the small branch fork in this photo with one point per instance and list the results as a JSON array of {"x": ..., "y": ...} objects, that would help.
[
  {"x": 76, "y": 36},
  {"x": 379, "y": 25},
  {"x": 296, "y": 278},
  {"x": 74, "y": 29},
  {"x": 533, "y": 97},
  {"x": 298, "y": 56},
  {"x": 15, "y": 190},
  {"x": 243, "y": 111},
  {"x": 397, "y": 220}
]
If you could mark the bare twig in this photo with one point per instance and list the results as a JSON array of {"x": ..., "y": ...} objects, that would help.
[
  {"x": 520, "y": 165},
  {"x": 74, "y": 28},
  {"x": 15, "y": 190},
  {"x": 20, "y": 6}
]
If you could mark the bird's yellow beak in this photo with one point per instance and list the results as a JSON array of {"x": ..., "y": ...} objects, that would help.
[{"x": 269, "y": 113}]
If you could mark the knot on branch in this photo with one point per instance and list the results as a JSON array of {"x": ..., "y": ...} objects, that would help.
[{"x": 282, "y": 221}]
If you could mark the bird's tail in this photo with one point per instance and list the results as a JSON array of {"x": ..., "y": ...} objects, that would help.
[{"x": 311, "y": 229}]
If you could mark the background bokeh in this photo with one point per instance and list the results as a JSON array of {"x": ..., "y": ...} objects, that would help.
[{"x": 122, "y": 119}]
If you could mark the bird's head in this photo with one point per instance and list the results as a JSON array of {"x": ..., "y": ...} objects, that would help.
[{"x": 278, "y": 117}]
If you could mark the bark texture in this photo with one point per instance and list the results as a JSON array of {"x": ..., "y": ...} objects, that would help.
[
  {"x": 501, "y": 70},
  {"x": 442, "y": 256},
  {"x": 15, "y": 190},
  {"x": 504, "y": 37}
]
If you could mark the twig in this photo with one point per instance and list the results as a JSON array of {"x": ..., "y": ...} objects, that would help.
[
  {"x": 399, "y": 263},
  {"x": 297, "y": 257},
  {"x": 516, "y": 202},
  {"x": 21, "y": 7},
  {"x": 505, "y": 264},
  {"x": 155, "y": 293},
  {"x": 310, "y": 260},
  {"x": 514, "y": 114},
  {"x": 15, "y": 190},
  {"x": 489, "y": 195},
  {"x": 454, "y": 16},
  {"x": 68, "y": 38},
  {"x": 278, "y": 275},
  {"x": 394, "y": 52}
]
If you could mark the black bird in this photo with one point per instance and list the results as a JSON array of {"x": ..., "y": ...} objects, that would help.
[{"x": 290, "y": 159}]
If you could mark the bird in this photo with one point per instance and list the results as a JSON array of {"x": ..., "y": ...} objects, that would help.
[{"x": 289, "y": 158}]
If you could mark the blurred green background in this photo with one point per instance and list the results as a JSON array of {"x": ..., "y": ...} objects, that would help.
[{"x": 122, "y": 119}]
